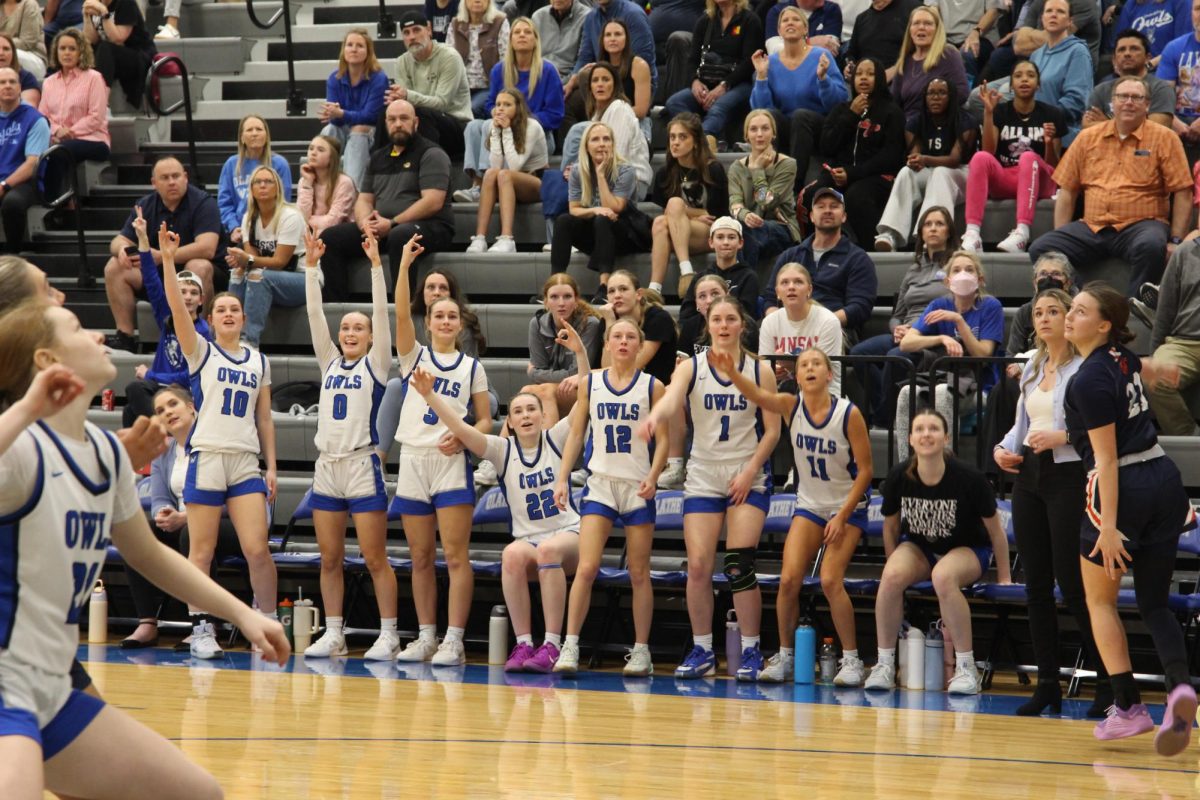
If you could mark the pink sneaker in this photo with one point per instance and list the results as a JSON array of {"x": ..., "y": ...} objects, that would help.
[
  {"x": 1123, "y": 724},
  {"x": 516, "y": 660},
  {"x": 1172, "y": 738},
  {"x": 542, "y": 660}
]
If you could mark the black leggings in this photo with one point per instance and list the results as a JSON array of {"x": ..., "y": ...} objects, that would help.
[
  {"x": 1047, "y": 506},
  {"x": 1153, "y": 573},
  {"x": 598, "y": 236}
]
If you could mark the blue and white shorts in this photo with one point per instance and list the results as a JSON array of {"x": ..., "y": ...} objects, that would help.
[
  {"x": 351, "y": 483},
  {"x": 42, "y": 706},
  {"x": 706, "y": 487},
  {"x": 615, "y": 500},
  {"x": 213, "y": 478},
  {"x": 428, "y": 480}
]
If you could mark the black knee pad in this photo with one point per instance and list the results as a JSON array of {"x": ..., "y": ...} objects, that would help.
[{"x": 739, "y": 568}]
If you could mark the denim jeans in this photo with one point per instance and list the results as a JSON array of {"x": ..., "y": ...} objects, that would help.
[
  {"x": 356, "y": 150},
  {"x": 773, "y": 237},
  {"x": 274, "y": 287},
  {"x": 879, "y": 379},
  {"x": 719, "y": 115}
]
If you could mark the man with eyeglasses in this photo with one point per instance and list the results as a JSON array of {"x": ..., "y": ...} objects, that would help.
[
  {"x": 1131, "y": 58},
  {"x": 1129, "y": 171}
]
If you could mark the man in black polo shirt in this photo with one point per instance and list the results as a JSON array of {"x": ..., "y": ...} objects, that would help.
[
  {"x": 190, "y": 212},
  {"x": 405, "y": 191}
]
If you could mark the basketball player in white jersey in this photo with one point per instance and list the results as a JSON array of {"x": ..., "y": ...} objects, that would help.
[
  {"x": 545, "y": 539},
  {"x": 832, "y": 452},
  {"x": 67, "y": 491},
  {"x": 622, "y": 481},
  {"x": 348, "y": 478},
  {"x": 231, "y": 386},
  {"x": 435, "y": 487},
  {"x": 727, "y": 484}
]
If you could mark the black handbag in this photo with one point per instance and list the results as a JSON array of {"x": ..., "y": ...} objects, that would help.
[{"x": 714, "y": 67}]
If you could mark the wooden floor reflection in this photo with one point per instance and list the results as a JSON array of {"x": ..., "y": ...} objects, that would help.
[{"x": 268, "y": 734}]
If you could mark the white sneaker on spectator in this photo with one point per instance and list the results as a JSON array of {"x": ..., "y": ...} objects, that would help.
[
  {"x": 467, "y": 195},
  {"x": 204, "y": 642},
  {"x": 965, "y": 680},
  {"x": 972, "y": 242},
  {"x": 450, "y": 654},
  {"x": 485, "y": 474},
  {"x": 331, "y": 643},
  {"x": 478, "y": 244},
  {"x": 672, "y": 477},
  {"x": 385, "y": 647},
  {"x": 503, "y": 244},
  {"x": 547, "y": 247},
  {"x": 1015, "y": 242},
  {"x": 886, "y": 242},
  {"x": 638, "y": 664},
  {"x": 418, "y": 650},
  {"x": 166, "y": 31}
]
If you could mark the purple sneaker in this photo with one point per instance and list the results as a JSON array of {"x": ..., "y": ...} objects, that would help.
[
  {"x": 516, "y": 660},
  {"x": 1123, "y": 724},
  {"x": 1172, "y": 738},
  {"x": 542, "y": 660}
]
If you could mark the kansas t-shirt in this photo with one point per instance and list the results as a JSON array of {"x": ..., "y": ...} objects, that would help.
[
  {"x": 1017, "y": 133},
  {"x": 946, "y": 515}
]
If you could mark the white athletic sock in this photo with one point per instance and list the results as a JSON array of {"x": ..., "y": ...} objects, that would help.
[
  {"x": 1024, "y": 229},
  {"x": 675, "y": 462},
  {"x": 641, "y": 647},
  {"x": 387, "y": 624},
  {"x": 427, "y": 632},
  {"x": 965, "y": 658},
  {"x": 270, "y": 615},
  {"x": 972, "y": 228},
  {"x": 704, "y": 641},
  {"x": 685, "y": 268},
  {"x": 787, "y": 652},
  {"x": 554, "y": 639},
  {"x": 887, "y": 655},
  {"x": 333, "y": 624},
  {"x": 657, "y": 287},
  {"x": 571, "y": 639},
  {"x": 525, "y": 638},
  {"x": 849, "y": 654},
  {"x": 749, "y": 641},
  {"x": 454, "y": 634}
]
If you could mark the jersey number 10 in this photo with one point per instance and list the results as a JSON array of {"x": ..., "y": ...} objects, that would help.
[{"x": 235, "y": 403}]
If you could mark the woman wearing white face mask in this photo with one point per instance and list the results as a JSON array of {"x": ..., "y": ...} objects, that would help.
[{"x": 967, "y": 323}]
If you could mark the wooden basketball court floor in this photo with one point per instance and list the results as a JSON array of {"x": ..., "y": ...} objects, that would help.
[{"x": 344, "y": 728}]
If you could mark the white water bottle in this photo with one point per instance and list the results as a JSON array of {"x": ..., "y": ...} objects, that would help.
[
  {"x": 914, "y": 659},
  {"x": 498, "y": 635},
  {"x": 98, "y": 615}
]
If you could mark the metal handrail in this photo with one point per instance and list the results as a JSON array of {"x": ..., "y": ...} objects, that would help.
[
  {"x": 297, "y": 103},
  {"x": 977, "y": 364},
  {"x": 85, "y": 280},
  {"x": 387, "y": 23},
  {"x": 194, "y": 176}
]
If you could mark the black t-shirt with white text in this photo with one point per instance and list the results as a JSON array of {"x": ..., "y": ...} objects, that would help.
[
  {"x": 1017, "y": 133},
  {"x": 947, "y": 515}
]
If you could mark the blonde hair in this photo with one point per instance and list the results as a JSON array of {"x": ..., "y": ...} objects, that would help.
[
  {"x": 371, "y": 65},
  {"x": 710, "y": 7},
  {"x": 253, "y": 212},
  {"x": 1043, "y": 352},
  {"x": 585, "y": 163},
  {"x": 760, "y": 112},
  {"x": 937, "y": 47},
  {"x": 24, "y": 330},
  {"x": 510, "y": 60},
  {"x": 490, "y": 14},
  {"x": 977, "y": 265}
]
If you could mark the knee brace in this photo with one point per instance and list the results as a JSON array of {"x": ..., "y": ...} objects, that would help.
[{"x": 739, "y": 568}]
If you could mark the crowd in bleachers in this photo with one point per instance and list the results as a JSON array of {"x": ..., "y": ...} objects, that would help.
[{"x": 799, "y": 138}]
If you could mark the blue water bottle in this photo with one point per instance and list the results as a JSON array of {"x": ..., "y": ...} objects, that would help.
[{"x": 806, "y": 653}]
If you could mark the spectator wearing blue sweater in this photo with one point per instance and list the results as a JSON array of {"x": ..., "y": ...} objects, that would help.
[
  {"x": 26, "y": 135},
  {"x": 169, "y": 365},
  {"x": 1066, "y": 67},
  {"x": 353, "y": 101},
  {"x": 799, "y": 85},
  {"x": 254, "y": 149},
  {"x": 1161, "y": 21},
  {"x": 523, "y": 69},
  {"x": 824, "y": 24},
  {"x": 723, "y": 43}
]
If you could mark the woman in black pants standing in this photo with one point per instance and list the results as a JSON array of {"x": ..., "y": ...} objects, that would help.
[{"x": 1047, "y": 503}]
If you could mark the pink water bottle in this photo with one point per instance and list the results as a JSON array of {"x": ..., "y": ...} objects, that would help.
[{"x": 733, "y": 644}]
